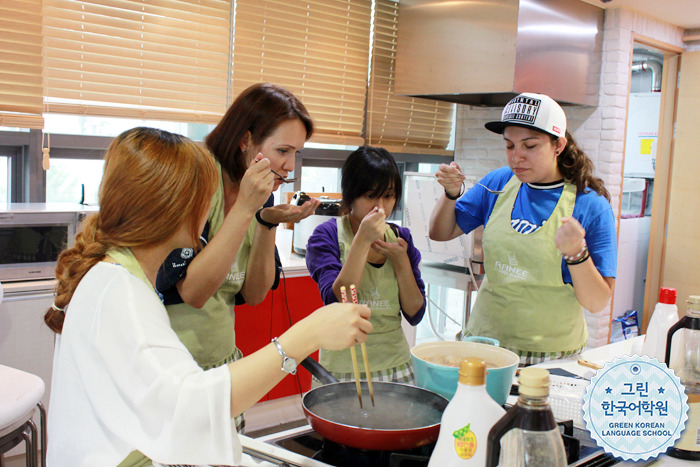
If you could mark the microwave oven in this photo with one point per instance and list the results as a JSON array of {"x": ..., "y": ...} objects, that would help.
[{"x": 32, "y": 235}]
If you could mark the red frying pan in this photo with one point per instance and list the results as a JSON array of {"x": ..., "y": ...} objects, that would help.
[{"x": 404, "y": 416}]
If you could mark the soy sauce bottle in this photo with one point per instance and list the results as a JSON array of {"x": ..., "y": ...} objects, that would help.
[
  {"x": 688, "y": 370},
  {"x": 528, "y": 435}
]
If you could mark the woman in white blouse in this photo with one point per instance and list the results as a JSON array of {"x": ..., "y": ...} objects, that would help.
[{"x": 123, "y": 383}]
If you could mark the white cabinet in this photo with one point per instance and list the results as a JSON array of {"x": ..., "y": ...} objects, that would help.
[{"x": 26, "y": 343}]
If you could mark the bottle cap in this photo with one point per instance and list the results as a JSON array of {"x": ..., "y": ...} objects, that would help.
[
  {"x": 472, "y": 371},
  {"x": 668, "y": 295},
  {"x": 694, "y": 302},
  {"x": 534, "y": 381}
]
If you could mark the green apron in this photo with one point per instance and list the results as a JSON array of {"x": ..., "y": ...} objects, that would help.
[
  {"x": 523, "y": 301},
  {"x": 386, "y": 344},
  {"x": 126, "y": 259},
  {"x": 208, "y": 332}
]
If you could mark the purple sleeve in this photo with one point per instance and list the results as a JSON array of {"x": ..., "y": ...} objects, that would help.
[
  {"x": 414, "y": 257},
  {"x": 323, "y": 262},
  {"x": 323, "y": 258}
]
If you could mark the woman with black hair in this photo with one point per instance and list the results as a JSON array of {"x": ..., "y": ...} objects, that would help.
[
  {"x": 361, "y": 248},
  {"x": 549, "y": 239}
]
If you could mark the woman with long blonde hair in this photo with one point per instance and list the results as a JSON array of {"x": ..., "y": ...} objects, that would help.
[{"x": 124, "y": 388}]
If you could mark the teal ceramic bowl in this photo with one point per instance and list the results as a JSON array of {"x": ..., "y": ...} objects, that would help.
[{"x": 435, "y": 365}]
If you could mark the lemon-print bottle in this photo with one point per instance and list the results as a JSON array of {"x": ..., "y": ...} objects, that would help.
[{"x": 466, "y": 420}]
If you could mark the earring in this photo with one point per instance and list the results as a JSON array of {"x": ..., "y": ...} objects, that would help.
[{"x": 245, "y": 150}]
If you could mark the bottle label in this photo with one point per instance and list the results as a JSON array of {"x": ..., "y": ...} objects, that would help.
[
  {"x": 465, "y": 442},
  {"x": 635, "y": 407},
  {"x": 690, "y": 439}
]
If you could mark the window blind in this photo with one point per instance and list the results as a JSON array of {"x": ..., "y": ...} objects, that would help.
[
  {"x": 20, "y": 64},
  {"x": 398, "y": 123},
  {"x": 317, "y": 49},
  {"x": 154, "y": 59}
]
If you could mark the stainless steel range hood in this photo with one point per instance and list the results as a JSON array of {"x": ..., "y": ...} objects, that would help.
[{"x": 484, "y": 52}]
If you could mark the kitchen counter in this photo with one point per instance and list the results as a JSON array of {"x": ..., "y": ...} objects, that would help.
[
  {"x": 293, "y": 265},
  {"x": 598, "y": 355}
]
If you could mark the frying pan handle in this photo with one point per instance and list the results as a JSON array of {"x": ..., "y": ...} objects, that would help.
[{"x": 318, "y": 371}]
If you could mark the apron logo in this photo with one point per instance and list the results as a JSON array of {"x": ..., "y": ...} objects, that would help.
[
  {"x": 375, "y": 303},
  {"x": 186, "y": 253},
  {"x": 235, "y": 276},
  {"x": 376, "y": 300},
  {"x": 511, "y": 269}
]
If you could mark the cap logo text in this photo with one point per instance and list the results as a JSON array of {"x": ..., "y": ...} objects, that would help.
[{"x": 521, "y": 109}]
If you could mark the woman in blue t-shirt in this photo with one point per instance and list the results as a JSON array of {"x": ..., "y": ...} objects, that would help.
[{"x": 549, "y": 239}]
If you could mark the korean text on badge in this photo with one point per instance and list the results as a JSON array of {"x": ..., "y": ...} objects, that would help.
[{"x": 635, "y": 407}]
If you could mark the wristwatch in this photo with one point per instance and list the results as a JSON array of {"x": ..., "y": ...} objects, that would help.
[{"x": 289, "y": 365}]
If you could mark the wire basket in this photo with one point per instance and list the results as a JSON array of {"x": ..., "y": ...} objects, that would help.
[{"x": 566, "y": 398}]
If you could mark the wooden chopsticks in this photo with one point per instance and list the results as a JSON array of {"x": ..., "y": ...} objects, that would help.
[
  {"x": 368, "y": 374},
  {"x": 353, "y": 354}
]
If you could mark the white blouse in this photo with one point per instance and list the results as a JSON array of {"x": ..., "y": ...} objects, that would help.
[{"x": 123, "y": 381}]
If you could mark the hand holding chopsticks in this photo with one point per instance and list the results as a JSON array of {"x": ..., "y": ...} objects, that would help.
[
  {"x": 353, "y": 354},
  {"x": 368, "y": 373}
]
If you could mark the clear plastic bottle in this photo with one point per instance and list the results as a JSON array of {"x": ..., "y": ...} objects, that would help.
[
  {"x": 665, "y": 315},
  {"x": 527, "y": 435},
  {"x": 467, "y": 419},
  {"x": 688, "y": 370}
]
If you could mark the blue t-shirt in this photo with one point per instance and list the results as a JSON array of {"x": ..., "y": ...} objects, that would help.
[{"x": 533, "y": 207}]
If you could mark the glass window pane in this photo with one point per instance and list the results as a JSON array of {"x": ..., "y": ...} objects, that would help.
[
  {"x": 320, "y": 179},
  {"x": 110, "y": 126},
  {"x": 428, "y": 168},
  {"x": 65, "y": 178},
  {"x": 4, "y": 179}
]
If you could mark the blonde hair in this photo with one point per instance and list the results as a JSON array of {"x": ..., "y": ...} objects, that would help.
[{"x": 153, "y": 183}]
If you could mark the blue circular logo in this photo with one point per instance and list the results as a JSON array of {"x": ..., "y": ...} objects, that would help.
[{"x": 635, "y": 407}]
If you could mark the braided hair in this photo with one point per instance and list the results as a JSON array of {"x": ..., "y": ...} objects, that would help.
[{"x": 154, "y": 182}]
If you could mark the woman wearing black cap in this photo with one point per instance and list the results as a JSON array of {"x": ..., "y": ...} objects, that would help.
[{"x": 549, "y": 240}]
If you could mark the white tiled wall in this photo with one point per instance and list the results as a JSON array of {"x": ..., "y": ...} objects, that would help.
[{"x": 599, "y": 131}]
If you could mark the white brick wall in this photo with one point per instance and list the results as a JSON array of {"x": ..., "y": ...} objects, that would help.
[{"x": 599, "y": 131}]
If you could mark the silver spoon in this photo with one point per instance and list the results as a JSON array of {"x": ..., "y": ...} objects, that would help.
[
  {"x": 495, "y": 192},
  {"x": 285, "y": 180}
]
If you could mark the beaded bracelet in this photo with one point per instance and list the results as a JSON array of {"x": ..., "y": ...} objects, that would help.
[
  {"x": 577, "y": 256},
  {"x": 580, "y": 260},
  {"x": 263, "y": 222}
]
